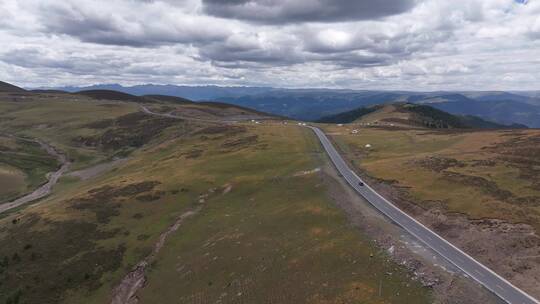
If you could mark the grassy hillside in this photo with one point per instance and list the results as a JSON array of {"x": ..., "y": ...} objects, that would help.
[
  {"x": 247, "y": 223},
  {"x": 170, "y": 99},
  {"x": 489, "y": 172},
  {"x": 6, "y": 87},
  {"x": 411, "y": 115},
  {"x": 61, "y": 120},
  {"x": 211, "y": 111},
  {"x": 23, "y": 166},
  {"x": 111, "y": 95},
  {"x": 349, "y": 116},
  {"x": 480, "y": 189}
]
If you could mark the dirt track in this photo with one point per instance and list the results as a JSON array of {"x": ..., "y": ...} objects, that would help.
[{"x": 125, "y": 292}]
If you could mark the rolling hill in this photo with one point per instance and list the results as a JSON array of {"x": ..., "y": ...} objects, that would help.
[
  {"x": 313, "y": 104},
  {"x": 412, "y": 115},
  {"x": 197, "y": 208},
  {"x": 7, "y": 87},
  {"x": 478, "y": 188},
  {"x": 204, "y": 205},
  {"x": 171, "y": 99},
  {"x": 110, "y": 95},
  {"x": 208, "y": 109}
]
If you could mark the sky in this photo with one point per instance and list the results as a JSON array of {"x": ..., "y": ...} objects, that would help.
[{"x": 417, "y": 45}]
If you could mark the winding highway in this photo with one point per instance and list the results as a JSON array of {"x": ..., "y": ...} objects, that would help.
[
  {"x": 52, "y": 177},
  {"x": 174, "y": 116},
  {"x": 483, "y": 275}
]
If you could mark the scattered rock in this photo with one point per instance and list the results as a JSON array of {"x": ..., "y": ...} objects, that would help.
[
  {"x": 302, "y": 173},
  {"x": 226, "y": 188}
]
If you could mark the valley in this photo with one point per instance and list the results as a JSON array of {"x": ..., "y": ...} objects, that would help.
[
  {"x": 269, "y": 152},
  {"x": 166, "y": 199},
  {"x": 253, "y": 219}
]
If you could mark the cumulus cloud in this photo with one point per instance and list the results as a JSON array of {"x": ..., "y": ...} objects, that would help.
[
  {"x": 389, "y": 44},
  {"x": 124, "y": 22}
]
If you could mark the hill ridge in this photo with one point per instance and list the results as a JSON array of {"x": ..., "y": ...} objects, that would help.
[
  {"x": 8, "y": 87},
  {"x": 413, "y": 115}
]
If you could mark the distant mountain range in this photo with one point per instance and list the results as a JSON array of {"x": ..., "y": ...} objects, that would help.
[{"x": 312, "y": 104}]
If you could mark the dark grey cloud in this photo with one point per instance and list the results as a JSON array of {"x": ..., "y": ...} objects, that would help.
[
  {"x": 286, "y": 11},
  {"x": 358, "y": 59},
  {"x": 138, "y": 25},
  {"x": 280, "y": 56},
  {"x": 251, "y": 50}
]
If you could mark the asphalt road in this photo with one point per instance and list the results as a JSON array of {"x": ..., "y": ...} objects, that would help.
[
  {"x": 169, "y": 115},
  {"x": 485, "y": 276},
  {"x": 46, "y": 188}
]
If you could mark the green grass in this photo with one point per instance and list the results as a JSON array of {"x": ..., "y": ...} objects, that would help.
[
  {"x": 275, "y": 237},
  {"x": 59, "y": 120},
  {"x": 12, "y": 181},
  {"x": 272, "y": 232},
  {"x": 493, "y": 179},
  {"x": 23, "y": 167}
]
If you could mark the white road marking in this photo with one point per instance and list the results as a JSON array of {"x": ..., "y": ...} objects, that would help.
[{"x": 478, "y": 272}]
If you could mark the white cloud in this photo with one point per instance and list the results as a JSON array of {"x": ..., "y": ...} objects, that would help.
[{"x": 415, "y": 45}]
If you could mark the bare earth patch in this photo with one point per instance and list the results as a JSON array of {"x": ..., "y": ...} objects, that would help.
[
  {"x": 125, "y": 292},
  {"x": 493, "y": 242}
]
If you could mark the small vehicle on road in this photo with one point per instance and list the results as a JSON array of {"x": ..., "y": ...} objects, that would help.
[{"x": 361, "y": 183}]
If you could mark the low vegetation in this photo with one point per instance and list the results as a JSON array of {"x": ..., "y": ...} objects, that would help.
[
  {"x": 23, "y": 166},
  {"x": 258, "y": 226},
  {"x": 479, "y": 189},
  {"x": 349, "y": 116},
  {"x": 59, "y": 119},
  {"x": 487, "y": 174}
]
